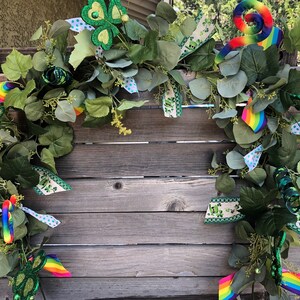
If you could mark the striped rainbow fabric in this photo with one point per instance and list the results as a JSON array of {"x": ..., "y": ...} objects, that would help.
[
  {"x": 225, "y": 291},
  {"x": 291, "y": 282},
  {"x": 55, "y": 267}
]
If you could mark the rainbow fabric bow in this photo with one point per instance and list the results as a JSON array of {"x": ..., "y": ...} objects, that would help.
[
  {"x": 5, "y": 87},
  {"x": 8, "y": 207},
  {"x": 225, "y": 291}
]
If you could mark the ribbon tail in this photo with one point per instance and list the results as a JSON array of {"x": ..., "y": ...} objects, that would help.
[
  {"x": 291, "y": 282},
  {"x": 225, "y": 291},
  {"x": 55, "y": 267},
  {"x": 172, "y": 101},
  {"x": 46, "y": 219}
]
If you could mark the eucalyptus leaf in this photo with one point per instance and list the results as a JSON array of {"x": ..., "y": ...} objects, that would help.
[
  {"x": 231, "y": 65},
  {"x": 158, "y": 24},
  {"x": 235, "y": 160},
  {"x": 200, "y": 88},
  {"x": 168, "y": 54},
  {"x": 120, "y": 63},
  {"x": 65, "y": 111},
  {"x": 59, "y": 27},
  {"x": 77, "y": 97},
  {"x": 225, "y": 114},
  {"x": 114, "y": 54},
  {"x": 130, "y": 71},
  {"x": 225, "y": 184},
  {"x": 257, "y": 176},
  {"x": 243, "y": 134},
  {"x": 134, "y": 30},
  {"x": 143, "y": 79},
  {"x": 243, "y": 230},
  {"x": 188, "y": 26},
  {"x": 35, "y": 226},
  {"x": 214, "y": 163},
  {"x": 8, "y": 262},
  {"x": 177, "y": 77},
  {"x": 158, "y": 79},
  {"x": 166, "y": 11},
  {"x": 92, "y": 122},
  {"x": 232, "y": 86},
  {"x": 126, "y": 104},
  {"x": 39, "y": 61},
  {"x": 37, "y": 34}
]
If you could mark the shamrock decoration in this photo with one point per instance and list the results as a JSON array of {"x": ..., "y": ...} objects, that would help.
[
  {"x": 97, "y": 15},
  {"x": 26, "y": 282}
]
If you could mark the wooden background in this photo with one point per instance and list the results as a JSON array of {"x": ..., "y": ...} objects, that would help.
[{"x": 133, "y": 224}]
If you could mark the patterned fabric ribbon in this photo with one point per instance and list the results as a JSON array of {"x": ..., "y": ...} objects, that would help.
[
  {"x": 172, "y": 101},
  {"x": 78, "y": 25},
  {"x": 130, "y": 85},
  {"x": 223, "y": 210},
  {"x": 295, "y": 128},
  {"x": 46, "y": 219},
  {"x": 253, "y": 157},
  {"x": 49, "y": 182},
  {"x": 289, "y": 192},
  {"x": 204, "y": 30}
]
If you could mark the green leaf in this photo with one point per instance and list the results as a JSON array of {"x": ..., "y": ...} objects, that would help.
[
  {"x": 134, "y": 30},
  {"x": 19, "y": 170},
  {"x": 254, "y": 201},
  {"x": 99, "y": 107},
  {"x": 225, "y": 114},
  {"x": 114, "y": 54},
  {"x": 77, "y": 97},
  {"x": 230, "y": 87},
  {"x": 126, "y": 104},
  {"x": 168, "y": 54},
  {"x": 6, "y": 137},
  {"x": 129, "y": 72},
  {"x": 39, "y": 61},
  {"x": 201, "y": 88},
  {"x": 37, "y": 34},
  {"x": 241, "y": 280},
  {"x": 235, "y": 160},
  {"x": 243, "y": 230},
  {"x": 254, "y": 63},
  {"x": 292, "y": 87},
  {"x": 272, "y": 59},
  {"x": 20, "y": 232},
  {"x": 158, "y": 24},
  {"x": 225, "y": 184},
  {"x": 158, "y": 79},
  {"x": 92, "y": 122},
  {"x": 34, "y": 111},
  {"x": 22, "y": 149},
  {"x": 8, "y": 262},
  {"x": 65, "y": 111},
  {"x": 257, "y": 176},
  {"x": 177, "y": 77},
  {"x": 47, "y": 158},
  {"x": 16, "y": 65},
  {"x": 243, "y": 134},
  {"x": 188, "y": 26},
  {"x": 59, "y": 27},
  {"x": 16, "y": 98},
  {"x": 35, "y": 226},
  {"x": 143, "y": 79},
  {"x": 214, "y": 164},
  {"x": 84, "y": 48},
  {"x": 166, "y": 11},
  {"x": 120, "y": 63},
  {"x": 239, "y": 255},
  {"x": 274, "y": 220},
  {"x": 203, "y": 58},
  {"x": 58, "y": 138},
  {"x": 295, "y": 35},
  {"x": 231, "y": 65}
]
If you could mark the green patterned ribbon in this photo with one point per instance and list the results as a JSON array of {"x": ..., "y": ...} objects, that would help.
[
  {"x": 276, "y": 269},
  {"x": 223, "y": 210},
  {"x": 172, "y": 101},
  {"x": 49, "y": 182}
]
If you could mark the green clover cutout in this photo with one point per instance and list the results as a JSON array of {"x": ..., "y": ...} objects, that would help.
[
  {"x": 97, "y": 15},
  {"x": 26, "y": 282}
]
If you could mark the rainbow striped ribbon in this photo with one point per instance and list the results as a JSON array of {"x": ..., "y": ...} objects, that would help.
[
  {"x": 55, "y": 267},
  {"x": 225, "y": 291}
]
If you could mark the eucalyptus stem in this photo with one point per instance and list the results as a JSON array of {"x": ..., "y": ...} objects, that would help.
[
  {"x": 253, "y": 296},
  {"x": 123, "y": 42}
]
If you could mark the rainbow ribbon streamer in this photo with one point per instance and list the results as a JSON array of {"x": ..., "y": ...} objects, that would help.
[
  {"x": 257, "y": 121},
  {"x": 7, "y": 219},
  {"x": 55, "y": 267},
  {"x": 291, "y": 282},
  {"x": 5, "y": 87},
  {"x": 263, "y": 26},
  {"x": 225, "y": 291},
  {"x": 275, "y": 38}
]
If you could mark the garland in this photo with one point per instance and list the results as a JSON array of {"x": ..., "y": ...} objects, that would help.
[{"x": 248, "y": 93}]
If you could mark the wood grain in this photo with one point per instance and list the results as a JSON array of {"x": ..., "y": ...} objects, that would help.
[
  {"x": 116, "y": 161},
  {"x": 149, "y": 125},
  {"x": 128, "y": 195},
  {"x": 139, "y": 229}
]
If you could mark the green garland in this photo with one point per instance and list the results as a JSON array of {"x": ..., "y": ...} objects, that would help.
[{"x": 54, "y": 86}]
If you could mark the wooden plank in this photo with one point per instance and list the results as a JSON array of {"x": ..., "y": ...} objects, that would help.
[
  {"x": 151, "y": 125},
  {"x": 116, "y": 161},
  {"x": 148, "y": 261},
  {"x": 124, "y": 195},
  {"x": 139, "y": 228},
  {"x": 127, "y": 288}
]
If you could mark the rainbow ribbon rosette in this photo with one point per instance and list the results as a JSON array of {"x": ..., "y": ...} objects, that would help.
[{"x": 5, "y": 87}]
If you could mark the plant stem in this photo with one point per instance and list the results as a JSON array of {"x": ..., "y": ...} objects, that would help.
[{"x": 253, "y": 297}]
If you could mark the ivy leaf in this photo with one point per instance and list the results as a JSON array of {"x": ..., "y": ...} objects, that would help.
[
  {"x": 225, "y": 184},
  {"x": 65, "y": 111},
  {"x": 16, "y": 98},
  {"x": 19, "y": 170},
  {"x": 200, "y": 88},
  {"x": 235, "y": 160},
  {"x": 166, "y": 11},
  {"x": 16, "y": 65},
  {"x": 230, "y": 87},
  {"x": 99, "y": 107},
  {"x": 243, "y": 134},
  {"x": 47, "y": 158},
  {"x": 254, "y": 63},
  {"x": 274, "y": 220},
  {"x": 134, "y": 30},
  {"x": 58, "y": 138},
  {"x": 84, "y": 48},
  {"x": 126, "y": 104}
]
